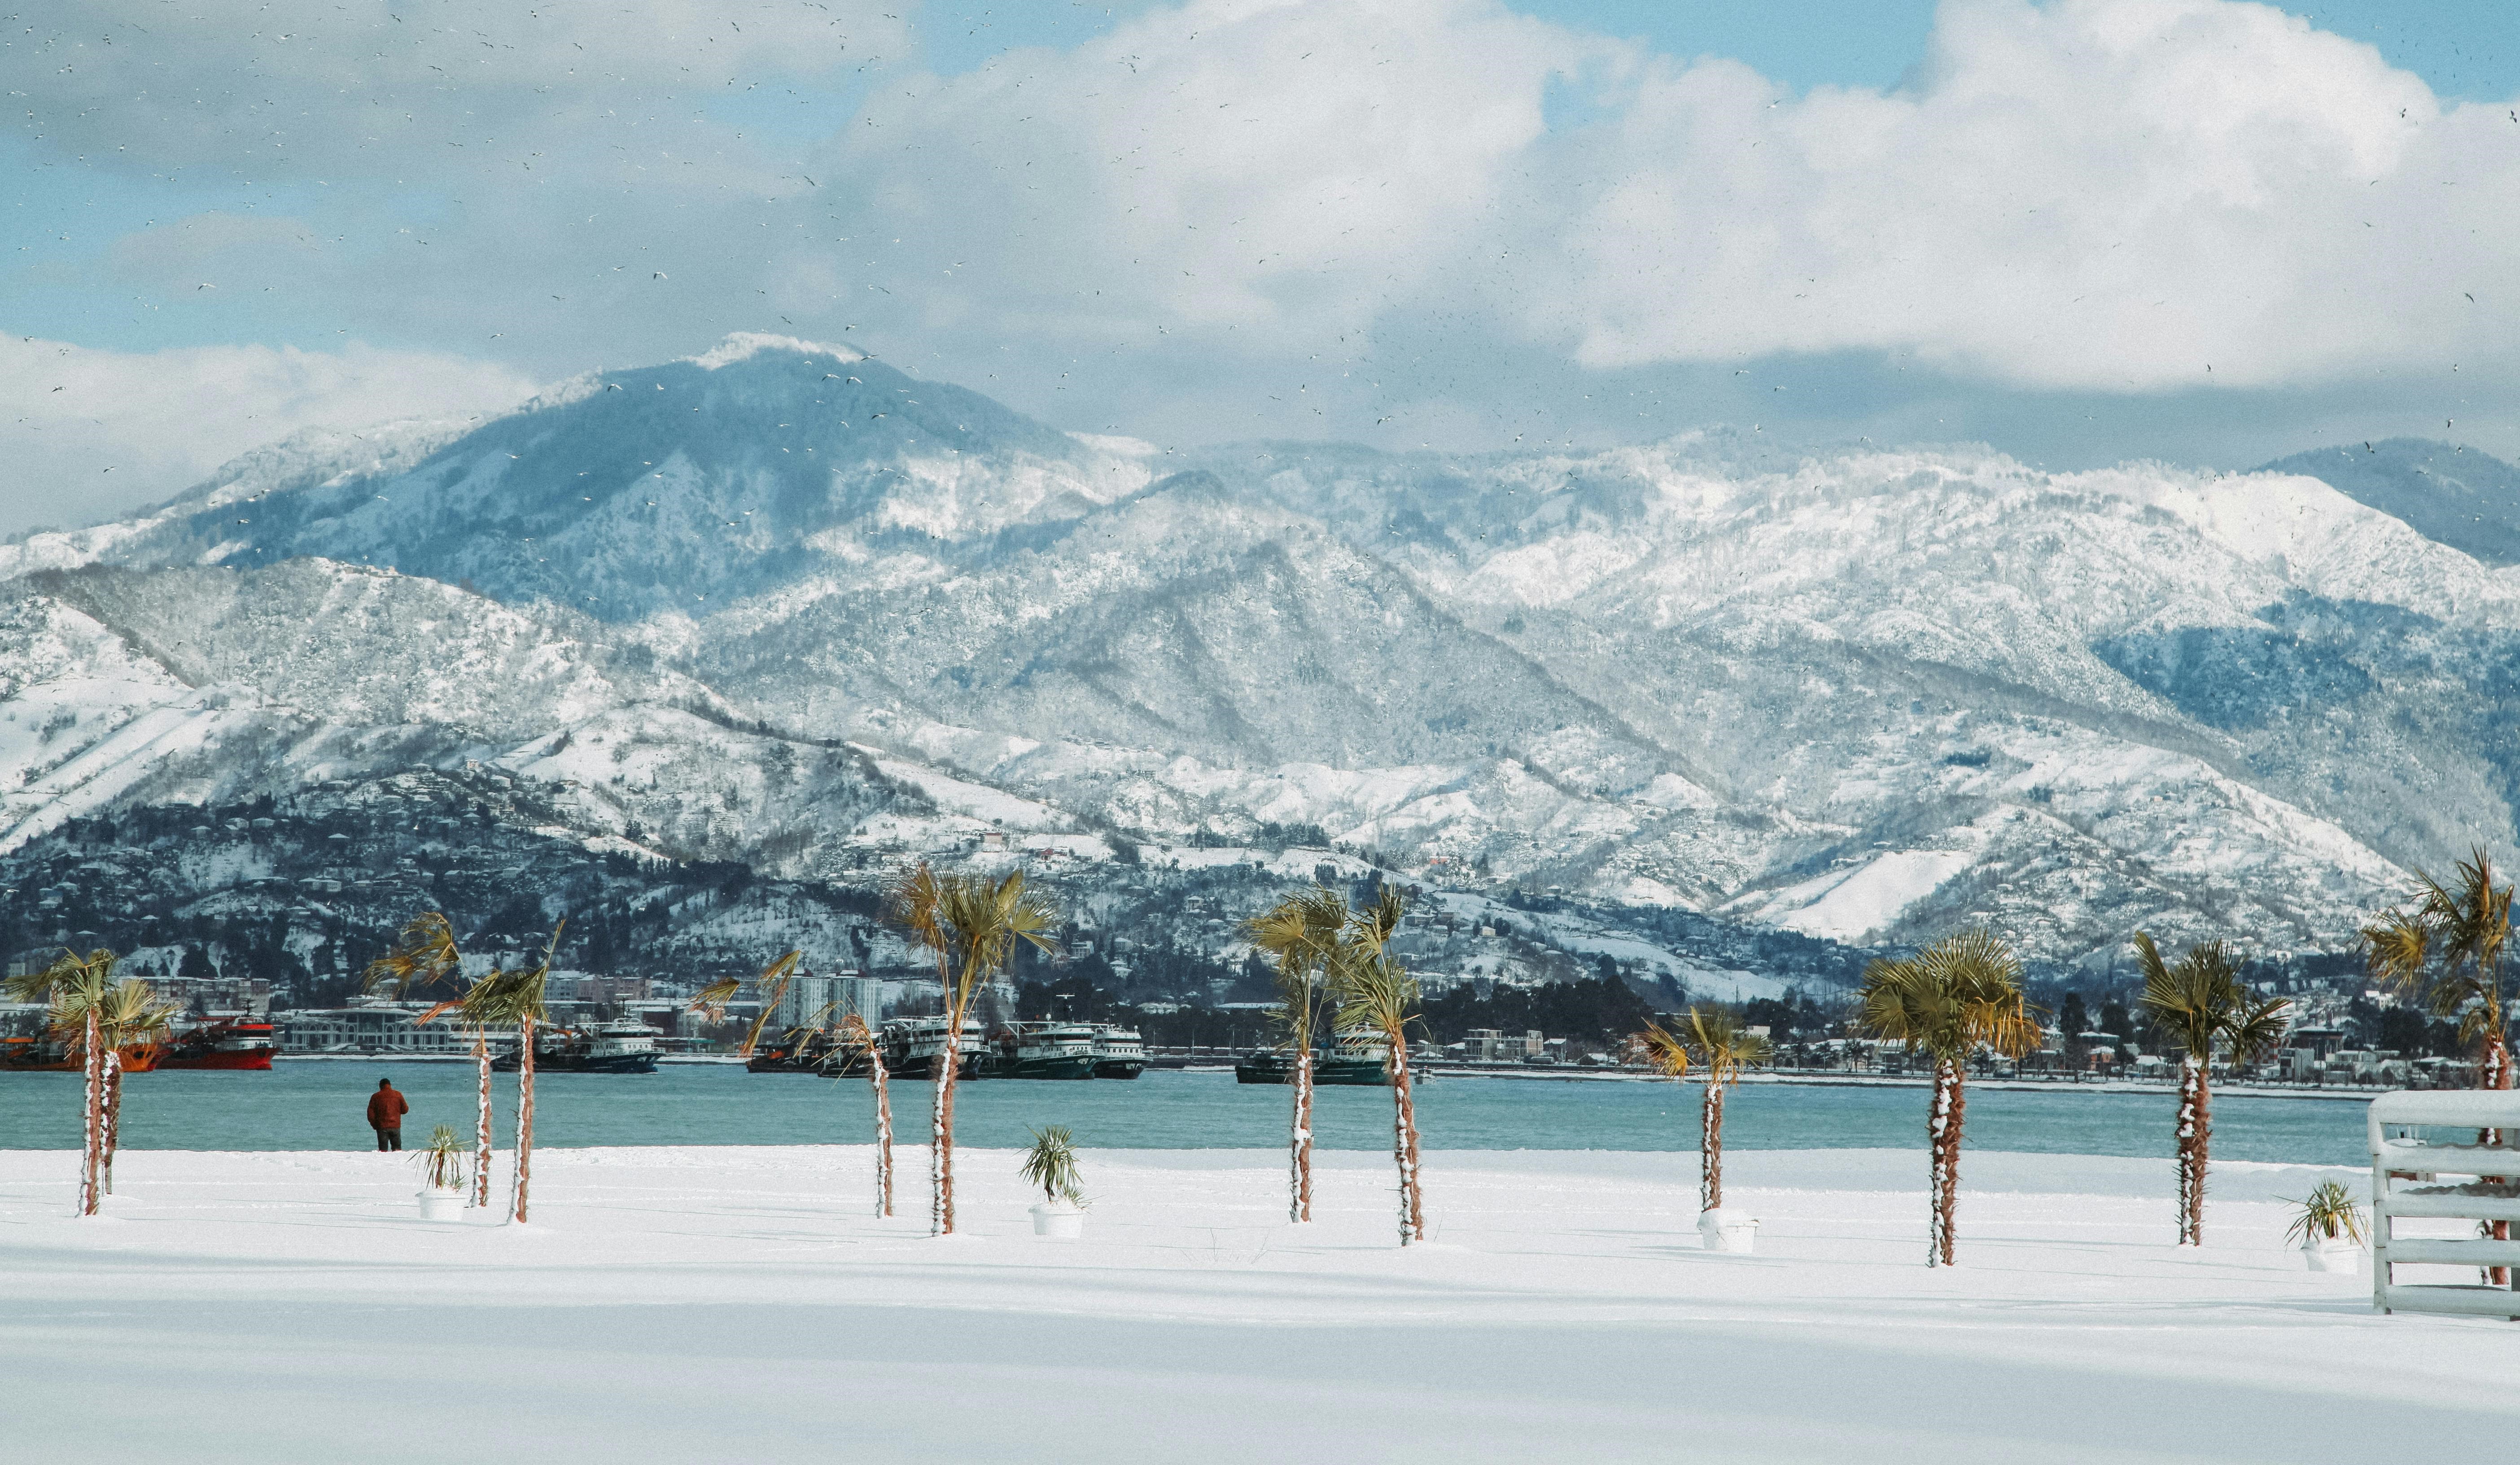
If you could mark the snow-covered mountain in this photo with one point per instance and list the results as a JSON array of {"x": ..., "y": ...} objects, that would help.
[{"x": 786, "y": 605}]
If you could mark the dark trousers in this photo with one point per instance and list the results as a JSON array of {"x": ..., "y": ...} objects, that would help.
[{"x": 389, "y": 1139}]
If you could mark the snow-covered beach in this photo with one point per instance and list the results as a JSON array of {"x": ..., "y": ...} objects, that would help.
[{"x": 705, "y": 1304}]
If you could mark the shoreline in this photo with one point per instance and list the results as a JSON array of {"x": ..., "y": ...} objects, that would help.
[{"x": 2118, "y": 1086}]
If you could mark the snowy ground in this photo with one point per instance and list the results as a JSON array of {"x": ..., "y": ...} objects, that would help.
[{"x": 741, "y": 1303}]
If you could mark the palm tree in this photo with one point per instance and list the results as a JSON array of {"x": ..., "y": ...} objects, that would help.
[
  {"x": 1957, "y": 995},
  {"x": 1375, "y": 992},
  {"x": 517, "y": 997},
  {"x": 1302, "y": 932},
  {"x": 73, "y": 987},
  {"x": 424, "y": 956},
  {"x": 2198, "y": 1001},
  {"x": 980, "y": 920},
  {"x": 855, "y": 1034},
  {"x": 1717, "y": 1039},
  {"x": 2449, "y": 949},
  {"x": 129, "y": 1014}
]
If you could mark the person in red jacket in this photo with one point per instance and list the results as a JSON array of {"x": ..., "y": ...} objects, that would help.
[{"x": 385, "y": 1109}]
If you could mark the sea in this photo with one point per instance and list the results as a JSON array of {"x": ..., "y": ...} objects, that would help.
[{"x": 321, "y": 1104}]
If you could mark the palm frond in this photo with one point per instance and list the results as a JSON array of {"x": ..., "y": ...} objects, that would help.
[
  {"x": 1956, "y": 996},
  {"x": 710, "y": 1001},
  {"x": 1724, "y": 1044},
  {"x": 423, "y": 955},
  {"x": 1660, "y": 1049}
]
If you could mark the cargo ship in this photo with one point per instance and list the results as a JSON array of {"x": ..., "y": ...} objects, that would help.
[
  {"x": 225, "y": 1040},
  {"x": 624, "y": 1045}
]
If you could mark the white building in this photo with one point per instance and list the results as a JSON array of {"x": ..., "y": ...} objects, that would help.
[{"x": 376, "y": 1028}]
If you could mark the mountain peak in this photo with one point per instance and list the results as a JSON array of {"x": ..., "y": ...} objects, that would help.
[
  {"x": 2446, "y": 491},
  {"x": 742, "y": 345}
]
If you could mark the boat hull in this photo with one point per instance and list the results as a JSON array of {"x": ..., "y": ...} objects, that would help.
[
  {"x": 135, "y": 1060},
  {"x": 566, "y": 1062},
  {"x": 232, "y": 1060},
  {"x": 1118, "y": 1068},
  {"x": 1344, "y": 1072},
  {"x": 1059, "y": 1066}
]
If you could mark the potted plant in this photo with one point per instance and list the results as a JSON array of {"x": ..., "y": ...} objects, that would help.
[
  {"x": 1051, "y": 1164},
  {"x": 441, "y": 1170},
  {"x": 2330, "y": 1228}
]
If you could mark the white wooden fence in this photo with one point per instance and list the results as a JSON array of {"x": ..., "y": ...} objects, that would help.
[{"x": 2472, "y": 1174}]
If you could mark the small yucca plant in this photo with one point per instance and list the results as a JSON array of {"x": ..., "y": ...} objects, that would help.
[
  {"x": 1051, "y": 1164},
  {"x": 441, "y": 1159},
  {"x": 2327, "y": 1213}
]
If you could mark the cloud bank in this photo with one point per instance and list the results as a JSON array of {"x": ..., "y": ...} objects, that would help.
[{"x": 1413, "y": 219}]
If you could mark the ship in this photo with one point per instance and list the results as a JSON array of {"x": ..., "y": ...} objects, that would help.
[
  {"x": 224, "y": 1040},
  {"x": 624, "y": 1045},
  {"x": 913, "y": 1047},
  {"x": 1118, "y": 1053},
  {"x": 1358, "y": 1059},
  {"x": 1044, "y": 1050},
  {"x": 27, "y": 1045},
  {"x": 811, "y": 1051}
]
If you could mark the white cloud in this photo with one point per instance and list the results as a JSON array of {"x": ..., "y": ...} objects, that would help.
[
  {"x": 2101, "y": 194},
  {"x": 90, "y": 431},
  {"x": 2104, "y": 194}
]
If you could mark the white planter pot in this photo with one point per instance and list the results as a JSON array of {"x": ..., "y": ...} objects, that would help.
[
  {"x": 1726, "y": 1229},
  {"x": 441, "y": 1205},
  {"x": 1063, "y": 1220},
  {"x": 2344, "y": 1257}
]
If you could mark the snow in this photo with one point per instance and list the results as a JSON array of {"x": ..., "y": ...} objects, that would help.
[
  {"x": 743, "y": 345},
  {"x": 685, "y": 1304},
  {"x": 1848, "y": 905}
]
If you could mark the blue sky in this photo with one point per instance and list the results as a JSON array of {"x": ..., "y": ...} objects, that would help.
[{"x": 2084, "y": 231}]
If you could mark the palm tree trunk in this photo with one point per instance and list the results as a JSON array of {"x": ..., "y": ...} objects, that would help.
[
  {"x": 1404, "y": 1144},
  {"x": 882, "y": 1135},
  {"x": 1710, "y": 1148},
  {"x": 1943, "y": 1137},
  {"x": 1300, "y": 1178},
  {"x": 2496, "y": 1073},
  {"x": 92, "y": 1107},
  {"x": 2195, "y": 1148},
  {"x": 113, "y": 1138},
  {"x": 525, "y": 1114},
  {"x": 940, "y": 1142},
  {"x": 481, "y": 1128}
]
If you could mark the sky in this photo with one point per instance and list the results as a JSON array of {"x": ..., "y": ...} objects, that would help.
[{"x": 2084, "y": 231}]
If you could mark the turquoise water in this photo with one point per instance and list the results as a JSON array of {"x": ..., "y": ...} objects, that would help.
[{"x": 321, "y": 1106}]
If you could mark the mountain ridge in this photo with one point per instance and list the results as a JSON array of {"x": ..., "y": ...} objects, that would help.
[{"x": 1867, "y": 694}]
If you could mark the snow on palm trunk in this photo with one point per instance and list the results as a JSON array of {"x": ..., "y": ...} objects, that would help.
[
  {"x": 482, "y": 1124},
  {"x": 940, "y": 1143},
  {"x": 1299, "y": 1180},
  {"x": 112, "y": 1135},
  {"x": 1404, "y": 1143},
  {"x": 882, "y": 1134},
  {"x": 92, "y": 1102},
  {"x": 2195, "y": 1132},
  {"x": 1710, "y": 1148},
  {"x": 2494, "y": 1072},
  {"x": 525, "y": 1112},
  {"x": 1943, "y": 1137}
]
